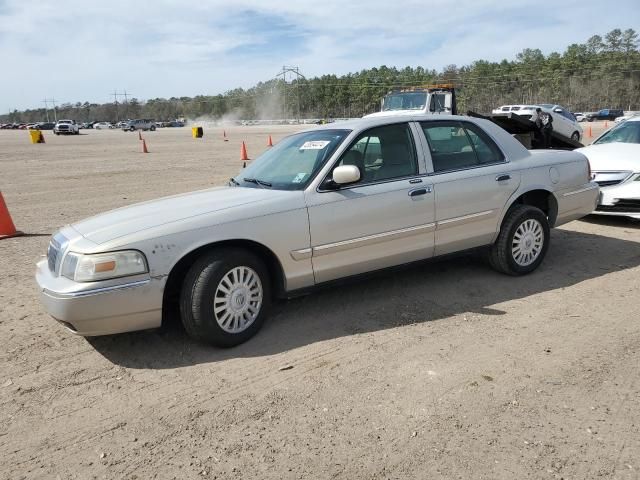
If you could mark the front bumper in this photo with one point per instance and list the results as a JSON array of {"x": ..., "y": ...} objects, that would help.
[
  {"x": 620, "y": 200},
  {"x": 101, "y": 308}
]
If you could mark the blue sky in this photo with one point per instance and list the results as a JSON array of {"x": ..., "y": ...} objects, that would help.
[{"x": 82, "y": 50}]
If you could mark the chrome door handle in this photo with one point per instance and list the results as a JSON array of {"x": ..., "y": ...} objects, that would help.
[
  {"x": 420, "y": 191},
  {"x": 502, "y": 178}
]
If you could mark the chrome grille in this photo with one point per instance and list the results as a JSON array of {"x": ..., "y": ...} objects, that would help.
[{"x": 610, "y": 178}]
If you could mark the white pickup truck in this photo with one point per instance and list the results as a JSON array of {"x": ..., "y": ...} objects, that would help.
[
  {"x": 427, "y": 100},
  {"x": 66, "y": 127}
]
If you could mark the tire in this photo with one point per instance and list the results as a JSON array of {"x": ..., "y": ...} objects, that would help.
[
  {"x": 132, "y": 129},
  {"x": 575, "y": 136},
  {"x": 153, "y": 129},
  {"x": 515, "y": 256},
  {"x": 225, "y": 319}
]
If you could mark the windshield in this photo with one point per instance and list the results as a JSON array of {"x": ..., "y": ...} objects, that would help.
[
  {"x": 292, "y": 162},
  {"x": 404, "y": 101},
  {"x": 626, "y": 132}
]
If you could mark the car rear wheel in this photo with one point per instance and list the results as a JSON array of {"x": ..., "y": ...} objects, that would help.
[
  {"x": 225, "y": 297},
  {"x": 133, "y": 129},
  {"x": 153, "y": 129},
  {"x": 575, "y": 136},
  {"x": 522, "y": 242}
]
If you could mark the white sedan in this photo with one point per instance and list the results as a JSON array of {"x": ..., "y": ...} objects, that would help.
[
  {"x": 102, "y": 125},
  {"x": 615, "y": 165}
]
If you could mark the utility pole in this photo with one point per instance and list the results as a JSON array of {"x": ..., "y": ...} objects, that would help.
[
  {"x": 55, "y": 114},
  {"x": 126, "y": 105},
  {"x": 46, "y": 108},
  {"x": 115, "y": 102}
]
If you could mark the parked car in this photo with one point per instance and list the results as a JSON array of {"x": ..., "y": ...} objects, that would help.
[
  {"x": 321, "y": 205},
  {"x": 615, "y": 164},
  {"x": 67, "y": 127},
  {"x": 605, "y": 114},
  {"x": 513, "y": 108},
  {"x": 563, "y": 120},
  {"x": 45, "y": 126},
  {"x": 139, "y": 124},
  {"x": 176, "y": 124},
  {"x": 580, "y": 117},
  {"x": 626, "y": 117},
  {"x": 102, "y": 125}
]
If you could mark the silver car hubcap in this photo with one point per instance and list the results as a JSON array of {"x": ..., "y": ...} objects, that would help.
[
  {"x": 238, "y": 299},
  {"x": 527, "y": 242}
]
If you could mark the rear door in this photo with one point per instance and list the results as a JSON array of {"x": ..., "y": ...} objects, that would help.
[{"x": 472, "y": 181}]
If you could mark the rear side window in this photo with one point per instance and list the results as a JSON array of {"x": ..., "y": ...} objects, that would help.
[{"x": 457, "y": 145}]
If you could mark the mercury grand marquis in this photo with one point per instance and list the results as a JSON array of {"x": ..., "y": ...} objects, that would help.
[{"x": 324, "y": 204}]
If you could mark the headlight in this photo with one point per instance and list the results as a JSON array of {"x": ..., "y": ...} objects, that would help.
[{"x": 102, "y": 266}]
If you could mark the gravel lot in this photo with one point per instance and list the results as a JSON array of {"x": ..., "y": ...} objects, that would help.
[{"x": 444, "y": 370}]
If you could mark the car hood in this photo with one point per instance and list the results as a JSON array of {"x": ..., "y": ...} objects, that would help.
[
  {"x": 185, "y": 207},
  {"x": 613, "y": 156}
]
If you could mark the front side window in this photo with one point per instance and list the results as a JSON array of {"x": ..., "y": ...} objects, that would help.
[
  {"x": 292, "y": 162},
  {"x": 383, "y": 153},
  {"x": 456, "y": 145}
]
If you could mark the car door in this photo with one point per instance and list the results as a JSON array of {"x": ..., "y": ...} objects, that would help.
[
  {"x": 472, "y": 182},
  {"x": 384, "y": 219}
]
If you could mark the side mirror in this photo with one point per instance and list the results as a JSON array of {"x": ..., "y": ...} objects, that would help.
[
  {"x": 346, "y": 174},
  {"x": 558, "y": 110}
]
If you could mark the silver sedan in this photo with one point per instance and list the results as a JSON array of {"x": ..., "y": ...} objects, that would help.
[{"x": 337, "y": 201}]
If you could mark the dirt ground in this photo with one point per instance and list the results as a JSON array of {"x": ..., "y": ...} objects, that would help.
[{"x": 443, "y": 370}]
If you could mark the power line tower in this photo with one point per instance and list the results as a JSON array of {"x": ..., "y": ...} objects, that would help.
[
  {"x": 125, "y": 94},
  {"x": 294, "y": 71}
]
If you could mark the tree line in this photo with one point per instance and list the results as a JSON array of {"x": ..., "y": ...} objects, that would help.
[{"x": 603, "y": 72}]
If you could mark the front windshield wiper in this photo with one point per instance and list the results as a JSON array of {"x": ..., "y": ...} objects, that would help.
[
  {"x": 234, "y": 181},
  {"x": 262, "y": 183}
]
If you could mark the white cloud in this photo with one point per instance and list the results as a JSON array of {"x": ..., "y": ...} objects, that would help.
[{"x": 82, "y": 50}]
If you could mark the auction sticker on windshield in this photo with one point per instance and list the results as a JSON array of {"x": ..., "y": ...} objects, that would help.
[
  {"x": 299, "y": 178},
  {"x": 315, "y": 145}
]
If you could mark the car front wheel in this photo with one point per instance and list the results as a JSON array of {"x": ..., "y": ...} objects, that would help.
[
  {"x": 522, "y": 242},
  {"x": 153, "y": 129},
  {"x": 225, "y": 297},
  {"x": 575, "y": 136}
]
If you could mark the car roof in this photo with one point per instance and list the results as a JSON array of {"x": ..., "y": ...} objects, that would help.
[{"x": 368, "y": 122}]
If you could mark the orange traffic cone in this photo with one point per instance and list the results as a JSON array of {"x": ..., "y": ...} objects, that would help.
[
  {"x": 590, "y": 133},
  {"x": 606, "y": 124},
  {"x": 139, "y": 135},
  {"x": 7, "y": 228},
  {"x": 269, "y": 142},
  {"x": 144, "y": 146},
  {"x": 224, "y": 136},
  {"x": 243, "y": 155}
]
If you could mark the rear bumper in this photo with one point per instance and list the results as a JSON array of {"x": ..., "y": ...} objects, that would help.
[
  {"x": 102, "y": 309},
  {"x": 577, "y": 202}
]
